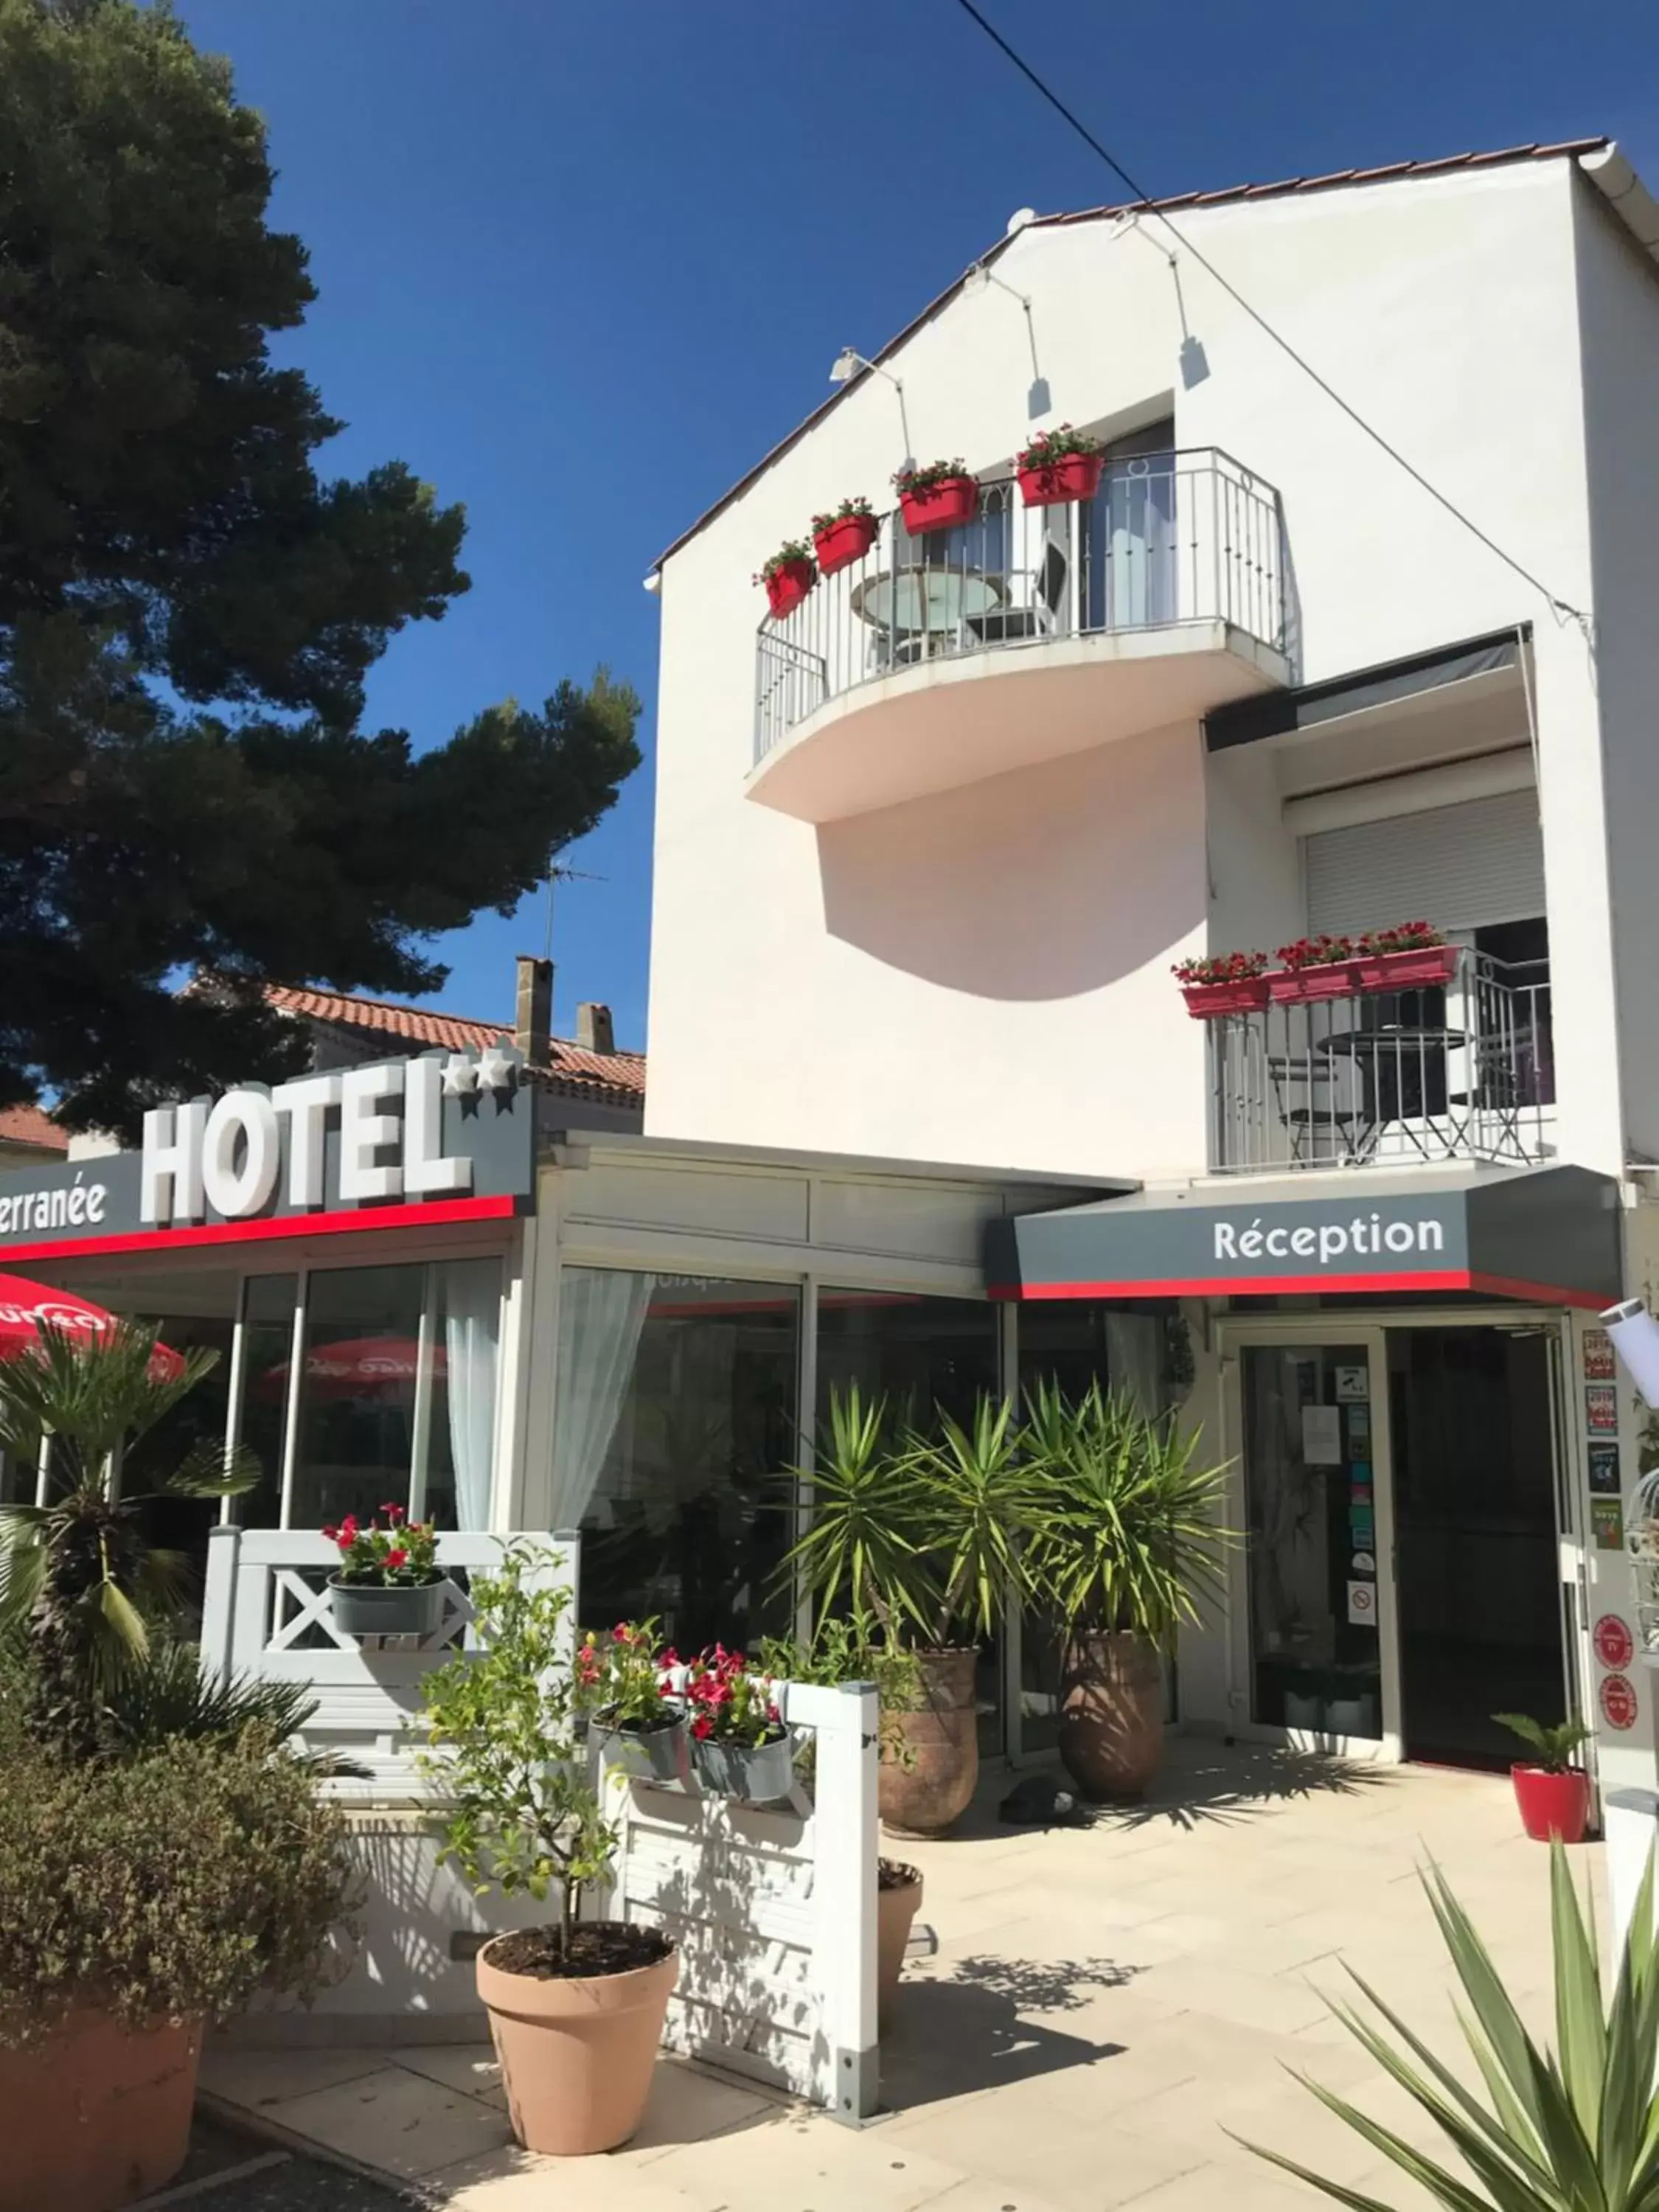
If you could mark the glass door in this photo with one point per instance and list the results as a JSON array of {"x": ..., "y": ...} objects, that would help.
[{"x": 1318, "y": 1654}]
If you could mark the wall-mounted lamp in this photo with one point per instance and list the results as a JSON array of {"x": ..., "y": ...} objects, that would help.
[
  {"x": 850, "y": 362},
  {"x": 1194, "y": 364},
  {"x": 654, "y": 582},
  {"x": 1038, "y": 398}
]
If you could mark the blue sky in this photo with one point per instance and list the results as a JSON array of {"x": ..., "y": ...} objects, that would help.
[{"x": 581, "y": 265}]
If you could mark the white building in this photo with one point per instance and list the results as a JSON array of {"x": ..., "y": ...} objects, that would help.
[{"x": 926, "y": 1108}]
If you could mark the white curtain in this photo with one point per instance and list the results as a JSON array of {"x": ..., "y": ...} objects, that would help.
[
  {"x": 472, "y": 1311},
  {"x": 1134, "y": 1364},
  {"x": 601, "y": 1313}
]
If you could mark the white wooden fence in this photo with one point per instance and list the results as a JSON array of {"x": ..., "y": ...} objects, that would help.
[{"x": 774, "y": 1908}]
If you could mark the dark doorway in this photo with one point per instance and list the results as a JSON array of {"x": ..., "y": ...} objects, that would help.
[{"x": 1477, "y": 1580}]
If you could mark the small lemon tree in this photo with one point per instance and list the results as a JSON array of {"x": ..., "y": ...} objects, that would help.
[{"x": 501, "y": 1726}]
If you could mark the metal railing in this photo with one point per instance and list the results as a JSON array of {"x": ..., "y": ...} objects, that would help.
[
  {"x": 1169, "y": 538},
  {"x": 1459, "y": 1071}
]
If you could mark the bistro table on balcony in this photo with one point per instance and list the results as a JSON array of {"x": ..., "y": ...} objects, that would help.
[
  {"x": 1403, "y": 1067},
  {"x": 922, "y": 610}
]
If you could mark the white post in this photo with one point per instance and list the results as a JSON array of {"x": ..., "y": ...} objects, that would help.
[
  {"x": 219, "y": 1600},
  {"x": 849, "y": 1724}
]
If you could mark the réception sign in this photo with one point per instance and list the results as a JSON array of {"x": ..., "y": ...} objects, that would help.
[{"x": 454, "y": 1131}]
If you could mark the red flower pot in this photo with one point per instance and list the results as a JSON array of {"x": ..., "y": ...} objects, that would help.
[
  {"x": 1242, "y": 996},
  {"x": 1334, "y": 978},
  {"x": 786, "y": 587},
  {"x": 846, "y": 540},
  {"x": 1553, "y": 1804},
  {"x": 1074, "y": 476},
  {"x": 952, "y": 501},
  {"x": 1407, "y": 971}
]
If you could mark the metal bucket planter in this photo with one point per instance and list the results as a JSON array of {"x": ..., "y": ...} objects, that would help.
[
  {"x": 660, "y": 1754},
  {"x": 757, "y": 1773},
  {"x": 387, "y": 1609}
]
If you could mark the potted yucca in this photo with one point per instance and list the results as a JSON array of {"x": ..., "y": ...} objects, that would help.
[
  {"x": 1411, "y": 955},
  {"x": 844, "y": 534},
  {"x": 940, "y": 496},
  {"x": 1222, "y": 984},
  {"x": 1058, "y": 466},
  {"x": 788, "y": 576}
]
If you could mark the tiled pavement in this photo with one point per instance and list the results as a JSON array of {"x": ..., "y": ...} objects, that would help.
[{"x": 1089, "y": 2015}]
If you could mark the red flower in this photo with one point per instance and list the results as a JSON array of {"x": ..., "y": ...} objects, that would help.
[
  {"x": 621, "y": 1633},
  {"x": 703, "y": 1728},
  {"x": 331, "y": 1532},
  {"x": 397, "y": 1558}
]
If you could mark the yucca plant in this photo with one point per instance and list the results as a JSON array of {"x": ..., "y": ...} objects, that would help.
[
  {"x": 1574, "y": 2129},
  {"x": 1551, "y": 1747},
  {"x": 863, "y": 1551},
  {"x": 77, "y": 1575},
  {"x": 975, "y": 1497}
]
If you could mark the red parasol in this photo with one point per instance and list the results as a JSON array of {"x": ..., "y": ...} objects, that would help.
[
  {"x": 24, "y": 1305},
  {"x": 358, "y": 1367}
]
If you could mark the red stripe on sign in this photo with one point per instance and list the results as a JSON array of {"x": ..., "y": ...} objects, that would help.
[
  {"x": 1543, "y": 1294},
  {"x": 434, "y": 1215}
]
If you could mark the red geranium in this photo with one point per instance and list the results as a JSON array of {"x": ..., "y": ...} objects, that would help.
[
  {"x": 729, "y": 1703},
  {"x": 402, "y": 1553}
]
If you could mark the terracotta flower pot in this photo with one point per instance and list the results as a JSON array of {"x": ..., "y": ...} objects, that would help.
[
  {"x": 96, "y": 2114},
  {"x": 942, "y": 506},
  {"x": 576, "y": 2054},
  {"x": 1242, "y": 996},
  {"x": 1424, "y": 966},
  {"x": 1553, "y": 1804},
  {"x": 1073, "y": 476},
  {"x": 786, "y": 587},
  {"x": 899, "y": 1900},
  {"x": 928, "y": 1789},
  {"x": 846, "y": 539},
  {"x": 1111, "y": 1714}
]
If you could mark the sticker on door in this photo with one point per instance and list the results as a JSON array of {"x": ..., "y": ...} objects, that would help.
[{"x": 1352, "y": 1383}]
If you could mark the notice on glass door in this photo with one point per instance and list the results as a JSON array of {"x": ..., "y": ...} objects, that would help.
[
  {"x": 1362, "y": 1605},
  {"x": 1351, "y": 1384},
  {"x": 1322, "y": 1436}
]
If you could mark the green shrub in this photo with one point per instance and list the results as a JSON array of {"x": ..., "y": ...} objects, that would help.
[{"x": 174, "y": 1884}]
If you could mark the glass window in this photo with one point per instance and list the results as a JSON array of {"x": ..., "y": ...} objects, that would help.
[
  {"x": 461, "y": 1435},
  {"x": 267, "y": 1351},
  {"x": 356, "y": 1392},
  {"x": 675, "y": 1414}
]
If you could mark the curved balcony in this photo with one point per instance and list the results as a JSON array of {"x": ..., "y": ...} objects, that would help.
[{"x": 1028, "y": 632}]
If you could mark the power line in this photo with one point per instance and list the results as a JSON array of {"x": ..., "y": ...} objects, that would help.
[{"x": 1559, "y": 607}]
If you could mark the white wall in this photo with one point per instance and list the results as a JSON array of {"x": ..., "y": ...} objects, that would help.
[{"x": 983, "y": 976}]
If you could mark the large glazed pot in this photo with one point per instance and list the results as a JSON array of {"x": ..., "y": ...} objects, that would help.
[
  {"x": 930, "y": 1756},
  {"x": 899, "y": 1900},
  {"x": 95, "y": 2115},
  {"x": 576, "y": 2055},
  {"x": 1111, "y": 1714}
]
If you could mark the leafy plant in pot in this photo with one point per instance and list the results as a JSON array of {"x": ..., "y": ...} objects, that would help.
[
  {"x": 844, "y": 535},
  {"x": 575, "y": 2007},
  {"x": 941, "y": 495},
  {"x": 388, "y": 1581},
  {"x": 637, "y": 1720},
  {"x": 1124, "y": 1547},
  {"x": 1551, "y": 1793},
  {"x": 920, "y": 1536},
  {"x": 739, "y": 1746},
  {"x": 788, "y": 576},
  {"x": 1059, "y": 465}
]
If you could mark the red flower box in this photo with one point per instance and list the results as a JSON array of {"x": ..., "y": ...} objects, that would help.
[
  {"x": 786, "y": 587},
  {"x": 942, "y": 506},
  {"x": 1407, "y": 971},
  {"x": 1553, "y": 1804},
  {"x": 1332, "y": 979},
  {"x": 845, "y": 541},
  {"x": 1073, "y": 477},
  {"x": 1206, "y": 1000}
]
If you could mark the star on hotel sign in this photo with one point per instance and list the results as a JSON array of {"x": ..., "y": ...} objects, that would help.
[{"x": 491, "y": 1071}]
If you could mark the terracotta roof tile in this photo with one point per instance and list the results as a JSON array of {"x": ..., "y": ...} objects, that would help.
[
  {"x": 28, "y": 1125},
  {"x": 613, "y": 1078}
]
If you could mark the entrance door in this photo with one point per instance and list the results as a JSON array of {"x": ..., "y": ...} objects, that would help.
[
  {"x": 1472, "y": 1426},
  {"x": 1313, "y": 1427}
]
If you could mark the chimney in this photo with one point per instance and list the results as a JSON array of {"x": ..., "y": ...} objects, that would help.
[
  {"x": 595, "y": 1031},
  {"x": 532, "y": 1022}
]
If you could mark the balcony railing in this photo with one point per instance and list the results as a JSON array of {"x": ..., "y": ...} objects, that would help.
[
  {"x": 1463, "y": 1071},
  {"x": 1169, "y": 538}
]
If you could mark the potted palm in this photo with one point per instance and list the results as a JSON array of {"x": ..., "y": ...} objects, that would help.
[
  {"x": 388, "y": 1581},
  {"x": 1409, "y": 955},
  {"x": 940, "y": 496},
  {"x": 1222, "y": 984},
  {"x": 1058, "y": 466},
  {"x": 637, "y": 1719},
  {"x": 1124, "y": 1547},
  {"x": 788, "y": 576},
  {"x": 1551, "y": 1793},
  {"x": 844, "y": 534},
  {"x": 576, "y": 2007},
  {"x": 919, "y": 1533}
]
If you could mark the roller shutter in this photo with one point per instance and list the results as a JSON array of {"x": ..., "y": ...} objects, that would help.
[{"x": 1459, "y": 866}]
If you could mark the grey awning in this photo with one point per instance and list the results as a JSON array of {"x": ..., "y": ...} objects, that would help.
[
  {"x": 1272, "y": 714},
  {"x": 1552, "y": 1234}
]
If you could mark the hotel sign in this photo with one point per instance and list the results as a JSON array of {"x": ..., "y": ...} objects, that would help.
[{"x": 446, "y": 1136}]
